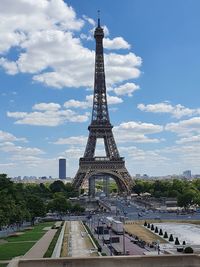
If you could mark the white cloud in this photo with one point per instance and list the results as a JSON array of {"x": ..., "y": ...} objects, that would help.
[
  {"x": 188, "y": 131},
  {"x": 73, "y": 152},
  {"x": 126, "y": 89},
  {"x": 176, "y": 111},
  {"x": 185, "y": 127},
  {"x": 89, "y": 20},
  {"x": 44, "y": 35},
  {"x": 191, "y": 139},
  {"x": 72, "y": 103},
  {"x": 137, "y": 132},
  {"x": 116, "y": 43},
  {"x": 9, "y": 66},
  {"x": 10, "y": 147},
  {"x": 72, "y": 140},
  {"x": 47, "y": 106},
  {"x": 49, "y": 114},
  {"x": 3, "y": 165},
  {"x": 8, "y": 137}
]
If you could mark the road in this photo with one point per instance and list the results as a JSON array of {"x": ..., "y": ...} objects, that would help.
[{"x": 134, "y": 212}]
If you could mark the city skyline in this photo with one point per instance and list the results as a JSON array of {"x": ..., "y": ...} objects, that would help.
[{"x": 152, "y": 63}]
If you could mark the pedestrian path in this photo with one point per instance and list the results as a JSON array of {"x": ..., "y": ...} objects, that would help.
[
  {"x": 41, "y": 246},
  {"x": 80, "y": 244}
]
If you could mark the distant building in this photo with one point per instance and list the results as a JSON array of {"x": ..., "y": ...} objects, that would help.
[
  {"x": 62, "y": 168},
  {"x": 187, "y": 174},
  {"x": 145, "y": 176}
]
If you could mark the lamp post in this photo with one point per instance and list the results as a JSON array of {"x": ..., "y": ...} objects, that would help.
[
  {"x": 124, "y": 248},
  {"x": 110, "y": 242},
  {"x": 158, "y": 246},
  {"x": 98, "y": 227}
]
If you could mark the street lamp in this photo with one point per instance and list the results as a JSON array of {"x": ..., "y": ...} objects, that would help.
[
  {"x": 124, "y": 248},
  {"x": 158, "y": 246},
  {"x": 98, "y": 227},
  {"x": 110, "y": 242}
]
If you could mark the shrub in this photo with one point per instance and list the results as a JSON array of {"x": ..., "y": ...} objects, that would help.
[
  {"x": 177, "y": 241},
  {"x": 156, "y": 229},
  {"x": 179, "y": 249},
  {"x": 171, "y": 238},
  {"x": 148, "y": 225},
  {"x": 184, "y": 243},
  {"x": 188, "y": 250},
  {"x": 165, "y": 235},
  {"x": 52, "y": 245},
  {"x": 145, "y": 223},
  {"x": 160, "y": 232},
  {"x": 152, "y": 227}
]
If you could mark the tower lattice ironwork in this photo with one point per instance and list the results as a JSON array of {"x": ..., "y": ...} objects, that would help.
[{"x": 100, "y": 127}]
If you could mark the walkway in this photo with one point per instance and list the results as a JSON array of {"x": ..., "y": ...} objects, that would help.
[
  {"x": 81, "y": 245},
  {"x": 39, "y": 249}
]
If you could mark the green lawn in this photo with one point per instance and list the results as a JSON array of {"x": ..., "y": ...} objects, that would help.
[
  {"x": 3, "y": 264},
  {"x": 16, "y": 246},
  {"x": 31, "y": 235},
  {"x": 10, "y": 250}
]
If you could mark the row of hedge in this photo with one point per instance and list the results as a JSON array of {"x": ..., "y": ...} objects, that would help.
[
  {"x": 165, "y": 235},
  {"x": 52, "y": 245}
]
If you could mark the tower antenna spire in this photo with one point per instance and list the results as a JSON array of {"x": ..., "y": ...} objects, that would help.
[{"x": 98, "y": 12}]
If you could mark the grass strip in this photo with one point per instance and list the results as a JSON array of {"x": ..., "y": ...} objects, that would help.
[
  {"x": 10, "y": 250},
  {"x": 52, "y": 245},
  {"x": 18, "y": 245},
  {"x": 93, "y": 238},
  {"x": 31, "y": 235}
]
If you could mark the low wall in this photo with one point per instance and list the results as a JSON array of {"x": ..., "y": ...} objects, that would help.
[{"x": 122, "y": 261}]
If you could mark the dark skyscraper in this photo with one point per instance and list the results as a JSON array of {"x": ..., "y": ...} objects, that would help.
[{"x": 62, "y": 168}]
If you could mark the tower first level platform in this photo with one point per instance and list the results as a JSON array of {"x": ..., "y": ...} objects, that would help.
[{"x": 114, "y": 168}]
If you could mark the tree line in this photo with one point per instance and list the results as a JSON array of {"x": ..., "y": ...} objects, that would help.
[
  {"x": 24, "y": 202},
  {"x": 186, "y": 192}
]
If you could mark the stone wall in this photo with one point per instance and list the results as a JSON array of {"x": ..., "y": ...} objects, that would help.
[{"x": 122, "y": 261}]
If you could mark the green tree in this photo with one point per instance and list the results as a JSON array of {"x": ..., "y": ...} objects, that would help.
[
  {"x": 187, "y": 198},
  {"x": 36, "y": 207},
  {"x": 57, "y": 186},
  {"x": 59, "y": 204}
]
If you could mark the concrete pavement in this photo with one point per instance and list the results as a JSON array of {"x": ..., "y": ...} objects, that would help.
[{"x": 41, "y": 246}]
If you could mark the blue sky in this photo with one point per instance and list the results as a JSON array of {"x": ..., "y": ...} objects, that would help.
[{"x": 152, "y": 61}]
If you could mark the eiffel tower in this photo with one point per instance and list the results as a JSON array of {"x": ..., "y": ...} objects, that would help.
[{"x": 112, "y": 165}]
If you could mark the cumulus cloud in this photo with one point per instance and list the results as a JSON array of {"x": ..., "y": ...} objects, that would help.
[
  {"x": 72, "y": 140},
  {"x": 89, "y": 20},
  {"x": 116, "y": 43},
  {"x": 137, "y": 132},
  {"x": 10, "y": 147},
  {"x": 72, "y": 103},
  {"x": 185, "y": 127},
  {"x": 190, "y": 139},
  {"x": 46, "y": 34},
  {"x": 8, "y": 137},
  {"x": 48, "y": 114},
  {"x": 177, "y": 111},
  {"x": 74, "y": 152},
  {"x": 47, "y": 106},
  {"x": 126, "y": 89}
]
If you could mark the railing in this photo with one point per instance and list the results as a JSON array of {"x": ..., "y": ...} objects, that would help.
[{"x": 102, "y": 159}]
